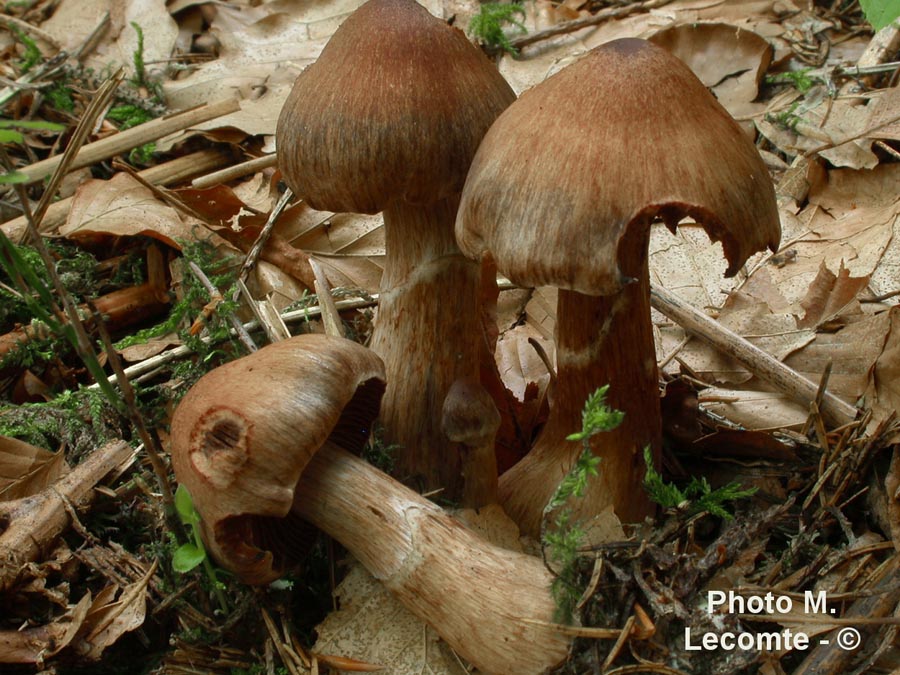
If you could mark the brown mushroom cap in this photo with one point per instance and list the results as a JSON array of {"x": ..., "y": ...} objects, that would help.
[
  {"x": 394, "y": 107},
  {"x": 240, "y": 442},
  {"x": 469, "y": 415},
  {"x": 626, "y": 134}
]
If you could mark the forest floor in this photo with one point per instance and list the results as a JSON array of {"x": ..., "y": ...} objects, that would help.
[{"x": 141, "y": 137}]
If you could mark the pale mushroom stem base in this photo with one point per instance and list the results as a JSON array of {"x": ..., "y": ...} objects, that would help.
[
  {"x": 600, "y": 340},
  {"x": 490, "y": 604},
  {"x": 429, "y": 332}
]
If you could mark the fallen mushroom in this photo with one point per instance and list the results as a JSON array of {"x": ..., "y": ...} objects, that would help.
[
  {"x": 266, "y": 442},
  {"x": 388, "y": 119},
  {"x": 562, "y": 193}
]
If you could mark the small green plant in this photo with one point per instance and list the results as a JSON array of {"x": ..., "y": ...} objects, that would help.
[
  {"x": 801, "y": 79},
  {"x": 880, "y": 13},
  {"x": 697, "y": 497},
  {"x": 140, "y": 73},
  {"x": 193, "y": 553},
  {"x": 41, "y": 303},
  {"x": 8, "y": 134},
  {"x": 32, "y": 55},
  {"x": 487, "y": 25},
  {"x": 562, "y": 542},
  {"x": 222, "y": 273},
  {"x": 60, "y": 97}
]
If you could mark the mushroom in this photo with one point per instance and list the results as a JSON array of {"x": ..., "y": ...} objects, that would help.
[
  {"x": 388, "y": 119},
  {"x": 266, "y": 443},
  {"x": 562, "y": 193},
  {"x": 470, "y": 418}
]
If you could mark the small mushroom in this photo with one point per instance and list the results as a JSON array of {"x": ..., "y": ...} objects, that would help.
[
  {"x": 266, "y": 443},
  {"x": 562, "y": 193},
  {"x": 471, "y": 419},
  {"x": 388, "y": 119}
]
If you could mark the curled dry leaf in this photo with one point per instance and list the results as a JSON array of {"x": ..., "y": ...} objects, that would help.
[
  {"x": 37, "y": 644},
  {"x": 25, "y": 469},
  {"x": 830, "y": 296},
  {"x": 114, "y": 612},
  {"x": 121, "y": 206}
]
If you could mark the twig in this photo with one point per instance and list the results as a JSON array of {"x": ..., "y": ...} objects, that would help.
[
  {"x": 33, "y": 31},
  {"x": 784, "y": 378},
  {"x": 216, "y": 297},
  {"x": 593, "y": 20},
  {"x": 330, "y": 316},
  {"x": 134, "y": 137},
  {"x": 237, "y": 171},
  {"x": 64, "y": 163},
  {"x": 255, "y": 251},
  {"x": 164, "y": 174},
  {"x": 181, "y": 351},
  {"x": 34, "y": 522},
  {"x": 151, "y": 443}
]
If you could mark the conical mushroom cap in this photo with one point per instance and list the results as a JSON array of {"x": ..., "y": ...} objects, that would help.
[
  {"x": 245, "y": 431},
  {"x": 568, "y": 178},
  {"x": 394, "y": 107}
]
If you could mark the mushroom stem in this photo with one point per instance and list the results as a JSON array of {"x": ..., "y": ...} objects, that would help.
[
  {"x": 491, "y": 605},
  {"x": 429, "y": 333},
  {"x": 600, "y": 340}
]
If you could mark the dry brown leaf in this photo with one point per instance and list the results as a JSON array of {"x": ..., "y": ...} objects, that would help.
[
  {"x": 852, "y": 352},
  {"x": 755, "y": 410},
  {"x": 883, "y": 391},
  {"x": 851, "y": 220},
  {"x": 113, "y": 613},
  {"x": 820, "y": 120},
  {"x": 491, "y": 523},
  {"x": 122, "y": 207},
  {"x": 35, "y": 645},
  {"x": 151, "y": 347},
  {"x": 892, "y": 487},
  {"x": 372, "y": 626},
  {"x": 885, "y": 122},
  {"x": 518, "y": 361},
  {"x": 831, "y": 295},
  {"x": 743, "y": 444},
  {"x": 25, "y": 469}
]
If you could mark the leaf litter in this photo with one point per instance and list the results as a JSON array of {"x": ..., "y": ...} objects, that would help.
[{"x": 824, "y": 302}]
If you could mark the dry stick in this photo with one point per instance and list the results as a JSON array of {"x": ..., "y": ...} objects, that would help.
[
  {"x": 784, "y": 378},
  {"x": 33, "y": 31},
  {"x": 164, "y": 174},
  {"x": 34, "y": 522},
  {"x": 153, "y": 362},
  {"x": 64, "y": 163},
  {"x": 330, "y": 316},
  {"x": 593, "y": 20},
  {"x": 134, "y": 137},
  {"x": 214, "y": 294},
  {"x": 256, "y": 250},
  {"x": 237, "y": 171}
]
